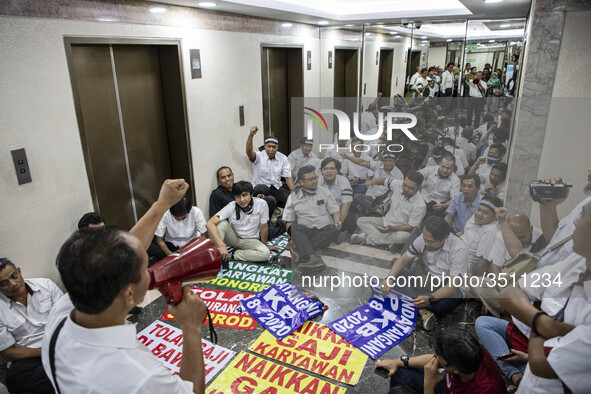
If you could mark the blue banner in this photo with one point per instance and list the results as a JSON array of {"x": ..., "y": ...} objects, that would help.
[
  {"x": 281, "y": 309},
  {"x": 379, "y": 325}
]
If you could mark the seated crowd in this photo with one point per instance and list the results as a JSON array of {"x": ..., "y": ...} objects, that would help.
[{"x": 438, "y": 220}]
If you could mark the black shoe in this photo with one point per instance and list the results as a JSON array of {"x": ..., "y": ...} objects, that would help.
[
  {"x": 313, "y": 265},
  {"x": 135, "y": 310},
  {"x": 295, "y": 255},
  {"x": 343, "y": 236}
]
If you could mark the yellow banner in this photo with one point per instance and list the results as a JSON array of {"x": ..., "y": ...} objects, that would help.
[
  {"x": 248, "y": 373},
  {"x": 315, "y": 348}
]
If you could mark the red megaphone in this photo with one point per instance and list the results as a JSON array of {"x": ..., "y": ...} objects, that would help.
[{"x": 198, "y": 260}]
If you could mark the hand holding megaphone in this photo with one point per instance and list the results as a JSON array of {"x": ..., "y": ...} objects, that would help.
[{"x": 191, "y": 312}]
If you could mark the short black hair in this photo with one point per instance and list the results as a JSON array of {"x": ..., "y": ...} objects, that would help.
[
  {"x": 487, "y": 117},
  {"x": 460, "y": 349},
  {"x": 438, "y": 151},
  {"x": 449, "y": 64},
  {"x": 182, "y": 207},
  {"x": 217, "y": 174},
  {"x": 501, "y": 167},
  {"x": 437, "y": 227},
  {"x": 467, "y": 132},
  {"x": 4, "y": 262},
  {"x": 464, "y": 121},
  {"x": 241, "y": 187},
  {"x": 90, "y": 218},
  {"x": 424, "y": 69},
  {"x": 501, "y": 134},
  {"x": 325, "y": 162},
  {"x": 94, "y": 265},
  {"x": 305, "y": 170},
  {"x": 501, "y": 148},
  {"x": 475, "y": 177},
  {"x": 449, "y": 156},
  {"x": 416, "y": 177},
  {"x": 432, "y": 68}
]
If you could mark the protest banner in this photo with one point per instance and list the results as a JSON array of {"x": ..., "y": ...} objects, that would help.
[
  {"x": 222, "y": 305},
  {"x": 379, "y": 325},
  {"x": 315, "y": 348},
  {"x": 166, "y": 343},
  {"x": 248, "y": 373},
  {"x": 280, "y": 242},
  {"x": 281, "y": 309},
  {"x": 250, "y": 277}
]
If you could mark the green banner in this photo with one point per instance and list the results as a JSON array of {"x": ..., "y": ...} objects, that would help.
[
  {"x": 281, "y": 243},
  {"x": 471, "y": 47},
  {"x": 251, "y": 277}
]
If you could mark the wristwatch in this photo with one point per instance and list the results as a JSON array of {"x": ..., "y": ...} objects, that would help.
[
  {"x": 404, "y": 360},
  {"x": 432, "y": 299}
]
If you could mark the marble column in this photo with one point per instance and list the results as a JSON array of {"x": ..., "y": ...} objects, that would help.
[{"x": 539, "y": 67}]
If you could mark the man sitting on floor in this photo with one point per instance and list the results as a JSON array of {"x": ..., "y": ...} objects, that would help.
[
  {"x": 466, "y": 367},
  {"x": 24, "y": 310},
  {"x": 464, "y": 204},
  {"x": 405, "y": 212},
  {"x": 496, "y": 181},
  {"x": 242, "y": 224},
  {"x": 318, "y": 220},
  {"x": 180, "y": 224},
  {"x": 443, "y": 255},
  {"x": 340, "y": 188}
]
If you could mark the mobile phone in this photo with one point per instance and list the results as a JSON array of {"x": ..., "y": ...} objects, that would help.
[
  {"x": 505, "y": 356},
  {"x": 383, "y": 372}
]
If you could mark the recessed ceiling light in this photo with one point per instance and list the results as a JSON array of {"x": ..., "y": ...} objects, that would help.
[
  {"x": 491, "y": 40},
  {"x": 107, "y": 19},
  {"x": 349, "y": 25},
  {"x": 505, "y": 25},
  {"x": 157, "y": 10},
  {"x": 396, "y": 36},
  {"x": 423, "y": 37},
  {"x": 287, "y": 24},
  {"x": 207, "y": 4},
  {"x": 492, "y": 1},
  {"x": 449, "y": 40},
  {"x": 323, "y": 23}
]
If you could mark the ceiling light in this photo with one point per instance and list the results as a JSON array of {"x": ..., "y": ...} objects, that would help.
[
  {"x": 207, "y": 4},
  {"x": 449, "y": 40},
  {"x": 157, "y": 10},
  {"x": 323, "y": 23},
  {"x": 349, "y": 25},
  {"x": 423, "y": 37},
  {"x": 505, "y": 26},
  {"x": 491, "y": 40},
  {"x": 492, "y": 1},
  {"x": 287, "y": 24},
  {"x": 396, "y": 36}
]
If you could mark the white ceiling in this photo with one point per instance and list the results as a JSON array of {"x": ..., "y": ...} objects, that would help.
[{"x": 342, "y": 12}]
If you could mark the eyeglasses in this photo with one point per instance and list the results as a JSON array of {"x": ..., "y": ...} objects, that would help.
[{"x": 310, "y": 179}]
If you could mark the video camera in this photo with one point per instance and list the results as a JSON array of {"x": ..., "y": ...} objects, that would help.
[{"x": 546, "y": 192}]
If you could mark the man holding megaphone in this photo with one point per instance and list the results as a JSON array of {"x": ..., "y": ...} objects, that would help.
[{"x": 87, "y": 346}]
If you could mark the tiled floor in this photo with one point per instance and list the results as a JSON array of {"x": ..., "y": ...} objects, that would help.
[{"x": 344, "y": 260}]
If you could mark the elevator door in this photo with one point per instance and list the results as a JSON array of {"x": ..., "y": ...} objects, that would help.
[
  {"x": 385, "y": 75},
  {"x": 282, "y": 76},
  {"x": 127, "y": 126},
  {"x": 345, "y": 81}
]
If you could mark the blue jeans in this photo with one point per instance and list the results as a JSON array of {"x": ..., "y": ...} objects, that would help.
[
  {"x": 492, "y": 333},
  {"x": 441, "y": 306},
  {"x": 412, "y": 379}
]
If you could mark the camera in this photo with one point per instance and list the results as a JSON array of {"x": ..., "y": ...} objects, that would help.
[{"x": 545, "y": 192}]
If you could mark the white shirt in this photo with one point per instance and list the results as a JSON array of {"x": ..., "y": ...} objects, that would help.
[
  {"x": 248, "y": 225},
  {"x": 179, "y": 232},
  {"x": 499, "y": 254},
  {"x": 451, "y": 259},
  {"x": 577, "y": 313},
  {"x": 413, "y": 78},
  {"x": 420, "y": 82},
  {"x": 403, "y": 210},
  {"x": 377, "y": 167},
  {"x": 311, "y": 211},
  {"x": 297, "y": 159},
  {"x": 447, "y": 80},
  {"x": 439, "y": 190},
  {"x": 565, "y": 228},
  {"x": 340, "y": 189},
  {"x": 483, "y": 171},
  {"x": 369, "y": 123},
  {"x": 104, "y": 360},
  {"x": 353, "y": 170},
  {"x": 459, "y": 169},
  {"x": 479, "y": 240},
  {"x": 468, "y": 147},
  {"x": 497, "y": 191},
  {"x": 269, "y": 172},
  {"x": 24, "y": 325},
  {"x": 474, "y": 92}
]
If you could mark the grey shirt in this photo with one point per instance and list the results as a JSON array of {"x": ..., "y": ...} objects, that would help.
[{"x": 311, "y": 211}]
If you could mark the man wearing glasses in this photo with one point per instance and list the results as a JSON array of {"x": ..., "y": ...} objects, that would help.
[{"x": 317, "y": 220}]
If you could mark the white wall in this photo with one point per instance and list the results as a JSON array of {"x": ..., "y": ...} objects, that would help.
[
  {"x": 436, "y": 56},
  {"x": 38, "y": 114},
  {"x": 567, "y": 143}
]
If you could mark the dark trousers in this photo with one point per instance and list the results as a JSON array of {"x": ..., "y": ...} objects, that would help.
[
  {"x": 280, "y": 195},
  {"x": 474, "y": 107},
  {"x": 359, "y": 189},
  {"x": 155, "y": 251},
  {"x": 28, "y": 376},
  {"x": 307, "y": 240},
  {"x": 412, "y": 379},
  {"x": 441, "y": 306}
]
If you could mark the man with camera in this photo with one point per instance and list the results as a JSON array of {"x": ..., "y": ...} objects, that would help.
[{"x": 87, "y": 345}]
